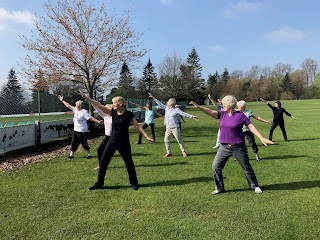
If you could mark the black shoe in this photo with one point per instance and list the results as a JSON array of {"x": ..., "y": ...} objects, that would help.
[
  {"x": 89, "y": 156},
  {"x": 70, "y": 157},
  {"x": 138, "y": 142},
  {"x": 94, "y": 187},
  {"x": 286, "y": 140},
  {"x": 135, "y": 187}
]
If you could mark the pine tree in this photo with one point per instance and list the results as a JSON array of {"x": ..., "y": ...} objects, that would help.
[
  {"x": 126, "y": 80},
  {"x": 149, "y": 79},
  {"x": 194, "y": 61},
  {"x": 13, "y": 100}
]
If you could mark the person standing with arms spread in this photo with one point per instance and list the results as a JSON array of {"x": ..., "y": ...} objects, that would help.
[
  {"x": 119, "y": 140},
  {"x": 232, "y": 142},
  {"x": 148, "y": 120},
  {"x": 247, "y": 133},
  {"x": 219, "y": 107},
  {"x": 278, "y": 120},
  {"x": 80, "y": 126},
  {"x": 107, "y": 120},
  {"x": 171, "y": 116}
]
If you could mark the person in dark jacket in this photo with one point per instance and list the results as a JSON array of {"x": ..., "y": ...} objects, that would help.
[{"x": 278, "y": 120}]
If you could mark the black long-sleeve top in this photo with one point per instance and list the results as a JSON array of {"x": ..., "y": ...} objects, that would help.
[{"x": 278, "y": 113}]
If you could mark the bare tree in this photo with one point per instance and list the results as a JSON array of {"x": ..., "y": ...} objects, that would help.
[
  {"x": 310, "y": 68},
  {"x": 170, "y": 76},
  {"x": 79, "y": 43}
]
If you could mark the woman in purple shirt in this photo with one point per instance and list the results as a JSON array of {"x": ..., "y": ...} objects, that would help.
[{"x": 232, "y": 142}]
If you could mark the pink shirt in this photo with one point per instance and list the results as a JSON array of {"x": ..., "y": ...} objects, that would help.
[{"x": 107, "y": 120}]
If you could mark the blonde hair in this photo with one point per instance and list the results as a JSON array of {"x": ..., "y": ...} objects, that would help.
[
  {"x": 120, "y": 100},
  {"x": 242, "y": 104},
  {"x": 171, "y": 102},
  {"x": 230, "y": 101}
]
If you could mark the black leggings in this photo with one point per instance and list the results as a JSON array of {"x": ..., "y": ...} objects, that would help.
[
  {"x": 273, "y": 127},
  {"x": 102, "y": 146},
  {"x": 77, "y": 138},
  {"x": 152, "y": 131},
  {"x": 125, "y": 151}
]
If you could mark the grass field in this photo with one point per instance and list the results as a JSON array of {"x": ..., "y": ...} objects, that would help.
[{"x": 50, "y": 200}]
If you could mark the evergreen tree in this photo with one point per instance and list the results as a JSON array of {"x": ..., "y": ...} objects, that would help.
[
  {"x": 12, "y": 96},
  {"x": 149, "y": 79},
  {"x": 126, "y": 81},
  {"x": 225, "y": 77},
  {"x": 194, "y": 61}
]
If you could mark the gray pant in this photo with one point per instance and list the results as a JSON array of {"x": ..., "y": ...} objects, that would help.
[{"x": 240, "y": 153}]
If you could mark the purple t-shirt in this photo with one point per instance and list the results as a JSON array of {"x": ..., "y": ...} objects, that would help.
[{"x": 231, "y": 127}]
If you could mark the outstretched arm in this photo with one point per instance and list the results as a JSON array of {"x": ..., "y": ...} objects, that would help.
[
  {"x": 212, "y": 101},
  {"x": 253, "y": 129},
  {"x": 96, "y": 104},
  {"x": 142, "y": 108},
  {"x": 266, "y": 103},
  {"x": 261, "y": 119},
  {"x": 93, "y": 119},
  {"x": 65, "y": 103},
  {"x": 140, "y": 129},
  {"x": 207, "y": 111},
  {"x": 160, "y": 104}
]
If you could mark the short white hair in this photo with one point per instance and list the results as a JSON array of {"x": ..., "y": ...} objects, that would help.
[
  {"x": 171, "y": 102},
  {"x": 79, "y": 102},
  {"x": 230, "y": 101},
  {"x": 242, "y": 104}
]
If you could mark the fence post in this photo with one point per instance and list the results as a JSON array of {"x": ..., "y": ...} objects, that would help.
[{"x": 38, "y": 132}]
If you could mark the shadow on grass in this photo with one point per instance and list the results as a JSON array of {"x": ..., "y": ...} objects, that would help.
[
  {"x": 293, "y": 185},
  {"x": 178, "y": 182},
  {"x": 154, "y": 165},
  {"x": 303, "y": 139},
  {"x": 167, "y": 183},
  {"x": 284, "y": 157}
]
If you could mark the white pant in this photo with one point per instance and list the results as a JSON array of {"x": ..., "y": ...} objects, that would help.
[{"x": 177, "y": 134}]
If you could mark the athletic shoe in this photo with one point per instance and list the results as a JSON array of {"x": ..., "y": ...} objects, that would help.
[
  {"x": 70, "y": 157},
  {"x": 257, "y": 190},
  {"x": 95, "y": 187},
  {"x": 89, "y": 156},
  {"x": 216, "y": 146},
  {"x": 138, "y": 142},
  {"x": 97, "y": 168},
  {"x": 167, "y": 155},
  {"x": 184, "y": 155},
  {"x": 135, "y": 187},
  {"x": 258, "y": 158},
  {"x": 216, "y": 192}
]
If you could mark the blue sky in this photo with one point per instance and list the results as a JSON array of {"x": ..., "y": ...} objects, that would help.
[{"x": 233, "y": 34}]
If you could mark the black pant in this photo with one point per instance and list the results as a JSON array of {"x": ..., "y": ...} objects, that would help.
[
  {"x": 77, "y": 138},
  {"x": 273, "y": 127},
  {"x": 251, "y": 140},
  {"x": 125, "y": 151},
  {"x": 152, "y": 131},
  {"x": 102, "y": 146}
]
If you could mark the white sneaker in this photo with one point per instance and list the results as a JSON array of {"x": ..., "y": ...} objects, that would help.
[{"x": 257, "y": 190}]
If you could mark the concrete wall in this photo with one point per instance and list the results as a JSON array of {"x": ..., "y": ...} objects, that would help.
[{"x": 17, "y": 137}]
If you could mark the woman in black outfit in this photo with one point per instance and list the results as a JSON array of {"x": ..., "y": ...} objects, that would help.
[
  {"x": 119, "y": 140},
  {"x": 278, "y": 120}
]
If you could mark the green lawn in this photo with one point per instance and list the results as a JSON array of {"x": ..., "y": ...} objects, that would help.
[{"x": 50, "y": 200}]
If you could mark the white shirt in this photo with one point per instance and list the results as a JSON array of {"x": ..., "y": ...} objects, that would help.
[{"x": 80, "y": 120}]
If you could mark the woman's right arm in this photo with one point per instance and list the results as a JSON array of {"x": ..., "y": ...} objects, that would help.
[
  {"x": 207, "y": 111},
  {"x": 65, "y": 103},
  {"x": 142, "y": 108},
  {"x": 270, "y": 106},
  {"x": 96, "y": 104},
  {"x": 160, "y": 104}
]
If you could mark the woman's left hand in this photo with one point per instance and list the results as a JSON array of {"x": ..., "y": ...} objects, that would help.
[
  {"x": 266, "y": 141},
  {"x": 150, "y": 139}
]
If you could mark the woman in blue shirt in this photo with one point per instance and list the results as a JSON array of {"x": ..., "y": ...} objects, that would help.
[{"x": 148, "y": 119}]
